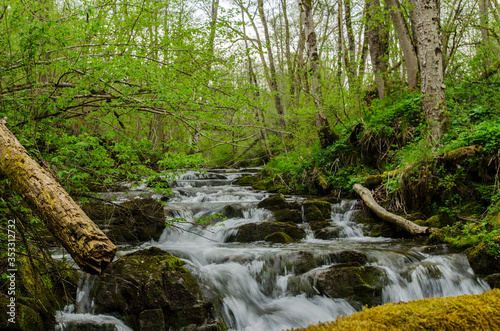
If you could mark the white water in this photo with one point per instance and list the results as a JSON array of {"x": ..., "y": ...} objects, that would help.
[{"x": 251, "y": 279}]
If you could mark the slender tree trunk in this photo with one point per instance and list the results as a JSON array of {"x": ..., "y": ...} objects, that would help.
[
  {"x": 426, "y": 14},
  {"x": 351, "y": 47},
  {"x": 289, "y": 62},
  {"x": 274, "y": 83},
  {"x": 405, "y": 42},
  {"x": 325, "y": 133},
  {"x": 84, "y": 241},
  {"x": 253, "y": 81},
  {"x": 377, "y": 40}
]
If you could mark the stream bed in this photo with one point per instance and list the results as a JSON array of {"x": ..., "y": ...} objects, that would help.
[{"x": 258, "y": 284}]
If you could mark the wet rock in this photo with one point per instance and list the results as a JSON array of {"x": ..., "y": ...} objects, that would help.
[
  {"x": 141, "y": 284},
  {"x": 493, "y": 280},
  {"x": 348, "y": 256},
  {"x": 264, "y": 185},
  {"x": 481, "y": 261},
  {"x": 304, "y": 262},
  {"x": 318, "y": 225},
  {"x": 259, "y": 231},
  {"x": 232, "y": 211},
  {"x": 330, "y": 232},
  {"x": 363, "y": 284},
  {"x": 133, "y": 221},
  {"x": 317, "y": 211},
  {"x": 151, "y": 319},
  {"x": 278, "y": 238},
  {"x": 287, "y": 215},
  {"x": 273, "y": 203},
  {"x": 246, "y": 180}
]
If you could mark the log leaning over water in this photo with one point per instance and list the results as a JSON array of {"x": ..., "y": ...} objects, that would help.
[
  {"x": 85, "y": 242},
  {"x": 389, "y": 217}
]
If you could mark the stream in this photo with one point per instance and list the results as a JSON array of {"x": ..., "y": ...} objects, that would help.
[{"x": 252, "y": 279}]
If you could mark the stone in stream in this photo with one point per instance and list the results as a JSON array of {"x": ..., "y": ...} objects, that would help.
[
  {"x": 351, "y": 281},
  {"x": 315, "y": 211},
  {"x": 288, "y": 215},
  {"x": 133, "y": 221},
  {"x": 151, "y": 283},
  {"x": 273, "y": 203},
  {"x": 330, "y": 232},
  {"x": 258, "y": 231},
  {"x": 278, "y": 238}
]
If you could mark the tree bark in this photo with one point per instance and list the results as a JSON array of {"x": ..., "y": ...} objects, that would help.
[
  {"x": 378, "y": 42},
  {"x": 427, "y": 28},
  {"x": 325, "y": 133},
  {"x": 84, "y": 241},
  {"x": 274, "y": 83},
  {"x": 389, "y": 217},
  {"x": 405, "y": 41}
]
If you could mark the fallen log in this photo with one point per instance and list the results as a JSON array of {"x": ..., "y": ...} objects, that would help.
[
  {"x": 389, "y": 217},
  {"x": 84, "y": 241}
]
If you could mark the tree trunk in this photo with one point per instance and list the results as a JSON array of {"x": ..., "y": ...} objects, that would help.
[
  {"x": 377, "y": 40},
  {"x": 426, "y": 16},
  {"x": 85, "y": 242},
  {"x": 274, "y": 83},
  {"x": 405, "y": 41},
  {"x": 325, "y": 133},
  {"x": 351, "y": 47},
  {"x": 386, "y": 216}
]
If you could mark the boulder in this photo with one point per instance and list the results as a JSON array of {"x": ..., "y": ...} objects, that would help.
[
  {"x": 481, "y": 261},
  {"x": 131, "y": 222},
  {"x": 351, "y": 281},
  {"x": 317, "y": 210},
  {"x": 493, "y": 280},
  {"x": 330, "y": 232},
  {"x": 287, "y": 215},
  {"x": 273, "y": 203},
  {"x": 278, "y": 238},
  {"x": 258, "y": 231},
  {"x": 348, "y": 256},
  {"x": 151, "y": 284},
  {"x": 318, "y": 225},
  {"x": 246, "y": 180}
]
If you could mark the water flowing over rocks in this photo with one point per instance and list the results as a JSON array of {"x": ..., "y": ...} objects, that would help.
[
  {"x": 151, "y": 290},
  {"x": 274, "y": 263}
]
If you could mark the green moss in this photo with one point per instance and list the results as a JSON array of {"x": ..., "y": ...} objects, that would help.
[
  {"x": 278, "y": 237},
  {"x": 246, "y": 180},
  {"x": 264, "y": 185},
  {"x": 274, "y": 202},
  {"x": 468, "y": 312},
  {"x": 287, "y": 215},
  {"x": 29, "y": 319}
]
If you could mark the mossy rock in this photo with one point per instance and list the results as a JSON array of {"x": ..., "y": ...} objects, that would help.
[
  {"x": 330, "y": 232},
  {"x": 373, "y": 181},
  {"x": 432, "y": 222},
  {"x": 246, "y": 180},
  {"x": 318, "y": 225},
  {"x": 348, "y": 256},
  {"x": 258, "y": 231},
  {"x": 462, "y": 153},
  {"x": 493, "y": 280},
  {"x": 287, "y": 215},
  {"x": 274, "y": 202},
  {"x": 148, "y": 280},
  {"x": 481, "y": 261},
  {"x": 232, "y": 211},
  {"x": 131, "y": 222},
  {"x": 311, "y": 213},
  {"x": 466, "y": 312},
  {"x": 264, "y": 185},
  {"x": 278, "y": 238},
  {"x": 351, "y": 281}
]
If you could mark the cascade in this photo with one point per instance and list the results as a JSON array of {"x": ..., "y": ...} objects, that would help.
[{"x": 254, "y": 281}]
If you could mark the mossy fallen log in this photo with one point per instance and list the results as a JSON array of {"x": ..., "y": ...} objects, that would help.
[
  {"x": 84, "y": 241},
  {"x": 386, "y": 216},
  {"x": 467, "y": 312}
]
